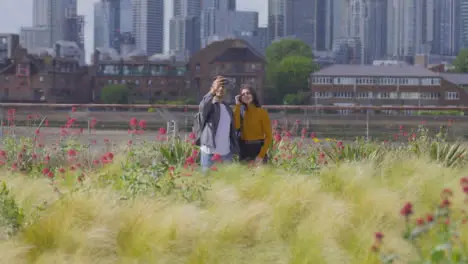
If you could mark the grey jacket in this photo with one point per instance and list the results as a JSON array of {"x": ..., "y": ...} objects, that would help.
[{"x": 210, "y": 114}]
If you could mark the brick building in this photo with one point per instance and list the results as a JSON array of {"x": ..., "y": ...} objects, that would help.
[
  {"x": 235, "y": 59},
  {"x": 150, "y": 79},
  {"x": 389, "y": 85},
  {"x": 43, "y": 77}
]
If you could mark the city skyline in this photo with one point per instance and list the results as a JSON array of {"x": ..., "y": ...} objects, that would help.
[{"x": 18, "y": 13}]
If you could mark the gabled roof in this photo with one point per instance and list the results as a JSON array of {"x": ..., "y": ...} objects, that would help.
[
  {"x": 213, "y": 50},
  {"x": 371, "y": 70},
  {"x": 455, "y": 78}
]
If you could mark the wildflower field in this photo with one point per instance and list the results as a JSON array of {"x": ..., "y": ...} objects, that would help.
[{"x": 317, "y": 201}]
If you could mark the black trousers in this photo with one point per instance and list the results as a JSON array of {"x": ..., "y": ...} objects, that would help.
[{"x": 249, "y": 150}]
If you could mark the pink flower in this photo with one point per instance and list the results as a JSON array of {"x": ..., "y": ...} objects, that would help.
[
  {"x": 142, "y": 124},
  {"x": 162, "y": 131},
  {"x": 277, "y": 137},
  {"x": 192, "y": 136},
  {"x": 133, "y": 122},
  {"x": 71, "y": 153},
  {"x": 216, "y": 157}
]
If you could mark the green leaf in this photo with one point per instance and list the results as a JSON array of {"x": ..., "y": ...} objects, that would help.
[{"x": 438, "y": 253}]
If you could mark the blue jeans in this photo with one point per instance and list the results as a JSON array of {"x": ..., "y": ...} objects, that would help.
[{"x": 206, "y": 160}]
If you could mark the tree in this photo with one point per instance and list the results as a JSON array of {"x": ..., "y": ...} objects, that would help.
[
  {"x": 289, "y": 64},
  {"x": 281, "y": 49},
  {"x": 115, "y": 94},
  {"x": 461, "y": 61}
]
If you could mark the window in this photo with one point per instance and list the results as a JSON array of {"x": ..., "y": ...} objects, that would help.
[
  {"x": 409, "y": 95},
  {"x": 364, "y": 95},
  {"x": 323, "y": 94},
  {"x": 430, "y": 81},
  {"x": 452, "y": 96},
  {"x": 343, "y": 95},
  {"x": 322, "y": 80},
  {"x": 387, "y": 95},
  {"x": 429, "y": 96},
  {"x": 344, "y": 80},
  {"x": 366, "y": 81},
  {"x": 387, "y": 81},
  {"x": 411, "y": 81}
]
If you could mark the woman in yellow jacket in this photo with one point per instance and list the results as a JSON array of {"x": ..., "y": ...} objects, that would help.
[{"x": 254, "y": 126}]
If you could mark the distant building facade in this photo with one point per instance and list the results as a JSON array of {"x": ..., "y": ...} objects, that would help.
[
  {"x": 150, "y": 79},
  {"x": 387, "y": 85}
]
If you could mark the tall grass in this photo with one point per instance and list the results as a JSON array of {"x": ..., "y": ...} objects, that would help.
[{"x": 247, "y": 216}]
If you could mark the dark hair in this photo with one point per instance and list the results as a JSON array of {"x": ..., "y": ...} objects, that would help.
[{"x": 255, "y": 100}]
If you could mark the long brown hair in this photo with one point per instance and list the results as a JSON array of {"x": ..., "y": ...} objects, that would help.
[{"x": 252, "y": 91}]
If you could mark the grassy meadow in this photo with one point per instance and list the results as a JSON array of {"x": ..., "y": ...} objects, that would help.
[{"x": 318, "y": 201}]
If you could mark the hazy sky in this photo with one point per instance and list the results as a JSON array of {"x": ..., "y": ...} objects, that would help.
[{"x": 18, "y": 13}]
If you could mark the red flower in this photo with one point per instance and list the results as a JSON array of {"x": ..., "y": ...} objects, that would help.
[
  {"x": 50, "y": 174},
  {"x": 2, "y": 153},
  {"x": 379, "y": 236},
  {"x": 339, "y": 144},
  {"x": 407, "y": 210},
  {"x": 420, "y": 221},
  {"x": 446, "y": 193},
  {"x": 45, "y": 171},
  {"x": 133, "y": 122},
  {"x": 463, "y": 181},
  {"x": 162, "y": 131},
  {"x": 277, "y": 137},
  {"x": 430, "y": 218},
  {"x": 110, "y": 155},
  {"x": 465, "y": 189},
  {"x": 130, "y": 142},
  {"x": 62, "y": 170},
  {"x": 46, "y": 122},
  {"x": 96, "y": 162},
  {"x": 190, "y": 161},
  {"x": 71, "y": 153},
  {"x": 142, "y": 124},
  {"x": 313, "y": 135},
  {"x": 445, "y": 203},
  {"x": 216, "y": 157},
  {"x": 192, "y": 136},
  {"x": 73, "y": 109}
]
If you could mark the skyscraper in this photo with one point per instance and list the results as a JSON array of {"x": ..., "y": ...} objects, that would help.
[
  {"x": 184, "y": 27},
  {"x": 126, "y": 19},
  {"x": 280, "y": 19},
  {"x": 447, "y": 24},
  {"x": 107, "y": 24},
  {"x": 292, "y": 18},
  {"x": 366, "y": 20},
  {"x": 50, "y": 23},
  {"x": 323, "y": 31},
  {"x": 464, "y": 23},
  {"x": 148, "y": 25},
  {"x": 410, "y": 25}
]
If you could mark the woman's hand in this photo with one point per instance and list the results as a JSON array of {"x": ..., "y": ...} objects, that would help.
[{"x": 237, "y": 98}]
